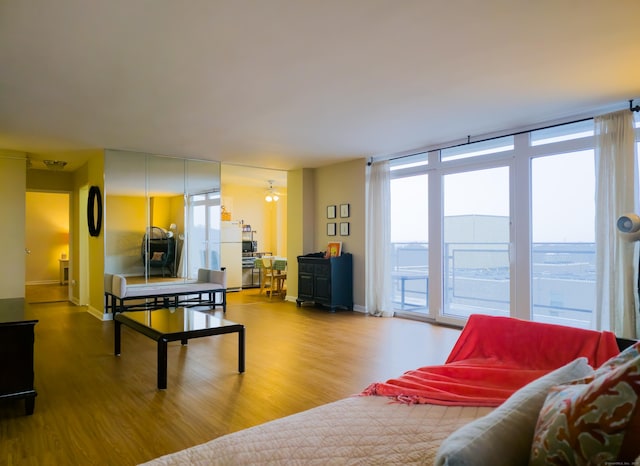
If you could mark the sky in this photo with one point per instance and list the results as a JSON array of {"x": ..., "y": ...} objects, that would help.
[{"x": 563, "y": 199}]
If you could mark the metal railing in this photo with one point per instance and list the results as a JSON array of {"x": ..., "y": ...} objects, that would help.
[{"x": 477, "y": 276}]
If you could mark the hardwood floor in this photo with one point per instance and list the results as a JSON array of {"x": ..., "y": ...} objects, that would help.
[
  {"x": 49, "y": 293},
  {"x": 96, "y": 408}
]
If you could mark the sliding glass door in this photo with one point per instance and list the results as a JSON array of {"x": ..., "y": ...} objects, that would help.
[
  {"x": 502, "y": 227},
  {"x": 476, "y": 231},
  {"x": 563, "y": 250},
  {"x": 410, "y": 243}
]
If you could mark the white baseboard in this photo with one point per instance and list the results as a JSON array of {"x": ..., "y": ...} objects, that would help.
[
  {"x": 356, "y": 307},
  {"x": 99, "y": 314},
  {"x": 42, "y": 282}
]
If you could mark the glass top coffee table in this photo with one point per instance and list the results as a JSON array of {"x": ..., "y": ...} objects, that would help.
[{"x": 165, "y": 325}]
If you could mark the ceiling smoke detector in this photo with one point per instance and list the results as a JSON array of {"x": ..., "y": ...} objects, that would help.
[{"x": 55, "y": 164}]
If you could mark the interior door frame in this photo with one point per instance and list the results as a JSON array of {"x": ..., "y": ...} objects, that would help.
[{"x": 69, "y": 195}]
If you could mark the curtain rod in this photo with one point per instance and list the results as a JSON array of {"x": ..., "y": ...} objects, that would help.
[{"x": 631, "y": 108}]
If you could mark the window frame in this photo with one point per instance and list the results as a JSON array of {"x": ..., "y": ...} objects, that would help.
[{"x": 519, "y": 160}]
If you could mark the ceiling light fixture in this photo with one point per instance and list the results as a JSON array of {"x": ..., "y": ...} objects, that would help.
[
  {"x": 271, "y": 195},
  {"x": 55, "y": 164}
]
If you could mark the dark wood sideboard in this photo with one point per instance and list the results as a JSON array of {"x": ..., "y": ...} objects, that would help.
[
  {"x": 326, "y": 282},
  {"x": 17, "y": 337}
]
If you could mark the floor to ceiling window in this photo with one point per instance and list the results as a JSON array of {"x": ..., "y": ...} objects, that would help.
[
  {"x": 563, "y": 248},
  {"x": 410, "y": 236},
  {"x": 499, "y": 227},
  {"x": 476, "y": 232}
]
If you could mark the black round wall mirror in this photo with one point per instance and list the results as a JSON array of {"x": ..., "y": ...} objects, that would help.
[{"x": 94, "y": 211}]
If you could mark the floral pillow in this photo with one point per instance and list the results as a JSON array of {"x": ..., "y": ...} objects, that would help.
[
  {"x": 594, "y": 420},
  {"x": 627, "y": 355}
]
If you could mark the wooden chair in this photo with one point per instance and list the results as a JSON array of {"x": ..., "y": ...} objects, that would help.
[
  {"x": 279, "y": 275},
  {"x": 266, "y": 272},
  {"x": 272, "y": 275}
]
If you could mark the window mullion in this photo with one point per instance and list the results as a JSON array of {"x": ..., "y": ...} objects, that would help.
[
  {"x": 435, "y": 284},
  {"x": 521, "y": 230}
]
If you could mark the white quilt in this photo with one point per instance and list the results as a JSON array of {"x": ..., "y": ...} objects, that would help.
[{"x": 356, "y": 430}]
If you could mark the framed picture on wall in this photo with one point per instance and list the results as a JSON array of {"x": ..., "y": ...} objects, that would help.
[
  {"x": 344, "y": 228},
  {"x": 344, "y": 210},
  {"x": 334, "y": 249},
  {"x": 331, "y": 229},
  {"x": 331, "y": 211}
]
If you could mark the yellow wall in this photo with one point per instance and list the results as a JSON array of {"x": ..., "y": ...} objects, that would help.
[
  {"x": 12, "y": 210},
  {"x": 47, "y": 235},
  {"x": 300, "y": 221},
  {"x": 123, "y": 243},
  {"x": 268, "y": 219},
  {"x": 161, "y": 214},
  {"x": 49, "y": 180},
  {"x": 89, "y": 274},
  {"x": 177, "y": 213}
]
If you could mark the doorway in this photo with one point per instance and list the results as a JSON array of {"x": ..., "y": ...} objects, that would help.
[
  {"x": 47, "y": 216},
  {"x": 254, "y": 202}
]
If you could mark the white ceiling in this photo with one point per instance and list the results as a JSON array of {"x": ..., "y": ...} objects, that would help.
[{"x": 303, "y": 83}]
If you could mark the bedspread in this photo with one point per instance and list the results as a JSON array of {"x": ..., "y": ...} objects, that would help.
[{"x": 355, "y": 430}]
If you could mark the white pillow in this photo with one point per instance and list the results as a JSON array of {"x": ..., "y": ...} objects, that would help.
[{"x": 504, "y": 436}]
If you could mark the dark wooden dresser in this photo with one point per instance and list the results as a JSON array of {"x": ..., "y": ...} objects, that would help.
[
  {"x": 326, "y": 282},
  {"x": 17, "y": 336}
]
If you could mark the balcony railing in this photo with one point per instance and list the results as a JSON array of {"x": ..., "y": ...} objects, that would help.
[{"x": 477, "y": 279}]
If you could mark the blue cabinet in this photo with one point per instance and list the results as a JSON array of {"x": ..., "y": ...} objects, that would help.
[{"x": 326, "y": 282}]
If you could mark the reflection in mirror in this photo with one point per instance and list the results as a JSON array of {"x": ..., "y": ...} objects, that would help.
[
  {"x": 147, "y": 225},
  {"x": 125, "y": 215},
  {"x": 203, "y": 214},
  {"x": 165, "y": 190}
]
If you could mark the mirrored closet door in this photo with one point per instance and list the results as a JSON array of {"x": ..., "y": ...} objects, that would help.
[{"x": 153, "y": 230}]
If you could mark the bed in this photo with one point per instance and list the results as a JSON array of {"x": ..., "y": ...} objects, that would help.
[
  {"x": 354, "y": 430},
  {"x": 423, "y": 426}
]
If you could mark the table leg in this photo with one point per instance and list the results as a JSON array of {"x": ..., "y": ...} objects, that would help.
[
  {"x": 29, "y": 405},
  {"x": 241, "y": 350},
  {"x": 162, "y": 364},
  {"x": 116, "y": 337}
]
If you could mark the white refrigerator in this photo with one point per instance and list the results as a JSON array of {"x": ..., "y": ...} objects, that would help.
[{"x": 231, "y": 253}]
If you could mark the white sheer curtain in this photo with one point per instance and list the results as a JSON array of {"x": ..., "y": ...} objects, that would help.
[
  {"x": 616, "y": 194},
  {"x": 378, "y": 240}
]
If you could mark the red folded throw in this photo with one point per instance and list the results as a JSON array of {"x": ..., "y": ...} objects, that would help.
[{"x": 494, "y": 357}]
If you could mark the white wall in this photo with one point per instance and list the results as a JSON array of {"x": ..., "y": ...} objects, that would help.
[{"x": 337, "y": 184}]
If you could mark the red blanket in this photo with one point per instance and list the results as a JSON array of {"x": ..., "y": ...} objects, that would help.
[{"x": 494, "y": 357}]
